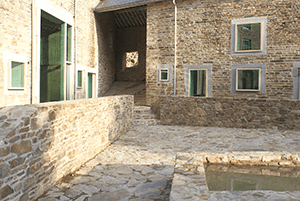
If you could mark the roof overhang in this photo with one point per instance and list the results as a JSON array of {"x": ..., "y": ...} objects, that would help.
[{"x": 111, "y": 5}]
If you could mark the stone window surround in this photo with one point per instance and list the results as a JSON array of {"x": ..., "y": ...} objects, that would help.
[
  {"x": 207, "y": 67},
  {"x": 7, "y": 59},
  {"x": 263, "y": 21},
  {"x": 170, "y": 73},
  {"x": 296, "y": 80},
  {"x": 262, "y": 67}
]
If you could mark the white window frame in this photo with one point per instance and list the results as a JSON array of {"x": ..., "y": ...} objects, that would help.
[
  {"x": 160, "y": 71},
  {"x": 206, "y": 82},
  {"x": 261, "y": 37},
  {"x": 249, "y": 90},
  {"x": 8, "y": 59},
  {"x": 263, "y": 45}
]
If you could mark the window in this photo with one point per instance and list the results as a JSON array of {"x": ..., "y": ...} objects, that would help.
[
  {"x": 16, "y": 80},
  {"x": 69, "y": 43},
  {"x": 164, "y": 75},
  {"x": 132, "y": 59},
  {"x": 249, "y": 36},
  {"x": 248, "y": 80},
  {"x": 198, "y": 83},
  {"x": 198, "y": 80},
  {"x": 79, "y": 78}
]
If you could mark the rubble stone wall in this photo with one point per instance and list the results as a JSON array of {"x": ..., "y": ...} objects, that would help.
[
  {"x": 39, "y": 144},
  {"x": 204, "y": 36},
  {"x": 228, "y": 112}
]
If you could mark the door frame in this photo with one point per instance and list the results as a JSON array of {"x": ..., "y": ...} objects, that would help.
[{"x": 47, "y": 6}]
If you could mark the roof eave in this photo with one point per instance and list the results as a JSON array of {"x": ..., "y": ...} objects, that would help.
[{"x": 100, "y": 9}]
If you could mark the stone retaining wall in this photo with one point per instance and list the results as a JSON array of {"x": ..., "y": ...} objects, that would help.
[
  {"x": 227, "y": 112},
  {"x": 39, "y": 144}
]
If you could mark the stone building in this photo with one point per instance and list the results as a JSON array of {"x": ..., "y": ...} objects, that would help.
[
  {"x": 61, "y": 50},
  {"x": 72, "y": 49},
  {"x": 50, "y": 52}
]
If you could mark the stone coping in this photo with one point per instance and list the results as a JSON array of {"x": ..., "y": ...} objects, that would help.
[
  {"x": 229, "y": 98},
  {"x": 189, "y": 182}
]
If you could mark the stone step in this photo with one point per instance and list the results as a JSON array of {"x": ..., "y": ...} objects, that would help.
[{"x": 143, "y": 115}]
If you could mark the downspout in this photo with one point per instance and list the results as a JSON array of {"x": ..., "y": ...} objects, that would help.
[
  {"x": 32, "y": 48},
  {"x": 75, "y": 47},
  {"x": 175, "y": 44}
]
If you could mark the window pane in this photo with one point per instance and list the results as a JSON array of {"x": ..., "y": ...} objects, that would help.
[
  {"x": 69, "y": 43},
  {"x": 198, "y": 83},
  {"x": 249, "y": 36},
  {"x": 17, "y": 74},
  {"x": 79, "y": 79},
  {"x": 164, "y": 74},
  {"x": 248, "y": 79}
]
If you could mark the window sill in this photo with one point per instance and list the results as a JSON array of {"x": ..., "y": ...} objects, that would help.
[{"x": 16, "y": 89}]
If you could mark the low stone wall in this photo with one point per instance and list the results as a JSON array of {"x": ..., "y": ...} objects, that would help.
[
  {"x": 227, "y": 112},
  {"x": 39, "y": 144}
]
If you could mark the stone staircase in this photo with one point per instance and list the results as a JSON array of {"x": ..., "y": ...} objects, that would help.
[{"x": 144, "y": 116}]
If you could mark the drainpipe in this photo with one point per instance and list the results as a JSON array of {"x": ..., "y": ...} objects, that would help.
[
  {"x": 32, "y": 48},
  {"x": 175, "y": 44},
  {"x": 75, "y": 51}
]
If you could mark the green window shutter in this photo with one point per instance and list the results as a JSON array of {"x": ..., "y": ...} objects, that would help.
[{"x": 17, "y": 74}]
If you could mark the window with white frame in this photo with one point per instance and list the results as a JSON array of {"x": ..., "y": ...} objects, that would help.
[
  {"x": 249, "y": 36},
  {"x": 198, "y": 82},
  {"x": 14, "y": 72},
  {"x": 164, "y": 75},
  {"x": 248, "y": 79},
  {"x": 16, "y": 77}
]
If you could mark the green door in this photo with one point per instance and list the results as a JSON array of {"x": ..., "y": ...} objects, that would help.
[{"x": 90, "y": 85}]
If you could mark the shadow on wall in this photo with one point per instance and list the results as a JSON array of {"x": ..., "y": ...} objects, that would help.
[
  {"x": 106, "y": 36},
  {"x": 42, "y": 143}
]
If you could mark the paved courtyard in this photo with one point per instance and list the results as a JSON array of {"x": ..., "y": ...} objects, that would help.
[{"x": 140, "y": 165}]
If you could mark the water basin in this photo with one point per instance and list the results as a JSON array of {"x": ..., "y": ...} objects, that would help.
[{"x": 245, "y": 178}]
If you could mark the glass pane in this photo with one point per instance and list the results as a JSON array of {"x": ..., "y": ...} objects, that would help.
[
  {"x": 90, "y": 85},
  {"x": 198, "y": 83},
  {"x": 69, "y": 43},
  {"x": 249, "y": 36},
  {"x": 79, "y": 79},
  {"x": 164, "y": 74},
  {"x": 248, "y": 79},
  {"x": 17, "y": 74}
]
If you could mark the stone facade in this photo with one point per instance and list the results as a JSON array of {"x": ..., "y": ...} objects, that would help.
[
  {"x": 228, "y": 112},
  {"x": 18, "y": 25},
  {"x": 204, "y": 36},
  {"x": 42, "y": 143}
]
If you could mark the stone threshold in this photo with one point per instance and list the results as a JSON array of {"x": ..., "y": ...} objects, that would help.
[{"x": 189, "y": 182}]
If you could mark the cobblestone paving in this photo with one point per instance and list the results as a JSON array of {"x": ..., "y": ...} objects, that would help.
[{"x": 140, "y": 165}]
